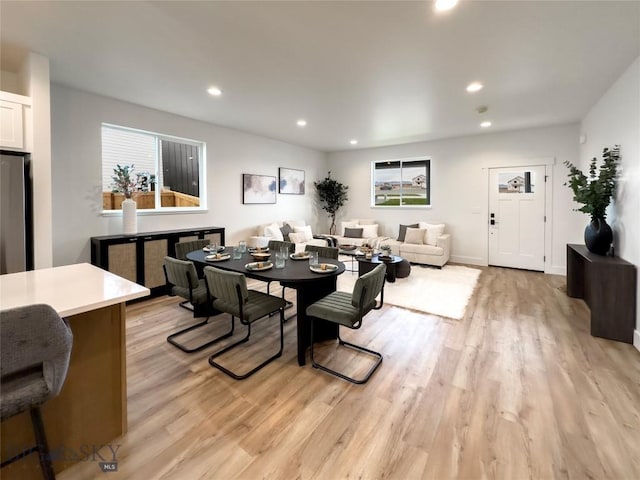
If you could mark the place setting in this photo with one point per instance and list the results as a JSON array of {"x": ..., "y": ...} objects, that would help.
[{"x": 258, "y": 266}]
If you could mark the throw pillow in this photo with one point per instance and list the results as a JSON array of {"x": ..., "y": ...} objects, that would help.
[
  {"x": 369, "y": 231},
  {"x": 274, "y": 232},
  {"x": 306, "y": 230},
  {"x": 433, "y": 232},
  {"x": 345, "y": 225},
  {"x": 296, "y": 223},
  {"x": 415, "y": 236},
  {"x": 403, "y": 231},
  {"x": 297, "y": 237},
  {"x": 353, "y": 232},
  {"x": 286, "y": 230},
  {"x": 365, "y": 221}
]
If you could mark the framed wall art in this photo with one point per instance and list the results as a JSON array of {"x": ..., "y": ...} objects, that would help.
[
  {"x": 291, "y": 181},
  {"x": 258, "y": 188}
]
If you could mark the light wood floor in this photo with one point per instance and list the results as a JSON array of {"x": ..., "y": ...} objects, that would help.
[{"x": 517, "y": 389}]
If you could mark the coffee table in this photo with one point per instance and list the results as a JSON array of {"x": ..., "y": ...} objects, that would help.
[
  {"x": 367, "y": 264},
  {"x": 350, "y": 253}
]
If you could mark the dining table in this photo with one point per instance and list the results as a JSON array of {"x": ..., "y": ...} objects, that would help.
[{"x": 309, "y": 285}]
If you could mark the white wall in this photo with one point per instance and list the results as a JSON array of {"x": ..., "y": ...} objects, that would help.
[
  {"x": 460, "y": 186},
  {"x": 615, "y": 119},
  {"x": 77, "y": 173}
]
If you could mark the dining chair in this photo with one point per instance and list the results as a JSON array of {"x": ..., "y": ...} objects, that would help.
[
  {"x": 182, "y": 248},
  {"x": 274, "y": 246},
  {"x": 348, "y": 310},
  {"x": 34, "y": 358},
  {"x": 329, "y": 252},
  {"x": 183, "y": 279},
  {"x": 230, "y": 293}
]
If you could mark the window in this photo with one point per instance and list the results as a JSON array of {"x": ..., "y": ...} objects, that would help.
[
  {"x": 168, "y": 171},
  {"x": 401, "y": 183}
]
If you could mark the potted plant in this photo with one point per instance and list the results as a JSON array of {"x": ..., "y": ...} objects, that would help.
[
  {"x": 594, "y": 192},
  {"x": 332, "y": 195},
  {"x": 385, "y": 250},
  {"x": 124, "y": 183}
]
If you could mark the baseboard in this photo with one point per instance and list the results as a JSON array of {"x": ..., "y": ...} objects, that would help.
[
  {"x": 554, "y": 270},
  {"x": 469, "y": 260},
  {"x": 636, "y": 339}
]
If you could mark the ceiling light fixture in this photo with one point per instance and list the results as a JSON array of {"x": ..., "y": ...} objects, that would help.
[
  {"x": 474, "y": 87},
  {"x": 301, "y": 123},
  {"x": 485, "y": 124},
  {"x": 215, "y": 91},
  {"x": 353, "y": 141},
  {"x": 444, "y": 5}
]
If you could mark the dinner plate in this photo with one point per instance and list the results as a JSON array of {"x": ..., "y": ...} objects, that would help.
[
  {"x": 215, "y": 258},
  {"x": 217, "y": 249},
  {"x": 329, "y": 268},
  {"x": 258, "y": 249},
  {"x": 294, "y": 256},
  {"x": 261, "y": 256},
  {"x": 258, "y": 266}
]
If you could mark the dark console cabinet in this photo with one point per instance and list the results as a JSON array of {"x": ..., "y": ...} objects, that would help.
[
  {"x": 139, "y": 258},
  {"x": 608, "y": 286}
]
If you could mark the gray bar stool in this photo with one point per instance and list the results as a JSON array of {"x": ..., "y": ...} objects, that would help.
[{"x": 34, "y": 357}]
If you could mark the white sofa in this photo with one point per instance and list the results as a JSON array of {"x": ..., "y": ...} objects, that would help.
[
  {"x": 358, "y": 231},
  {"x": 426, "y": 244},
  {"x": 299, "y": 233}
]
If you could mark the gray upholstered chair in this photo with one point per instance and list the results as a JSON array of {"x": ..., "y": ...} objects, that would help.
[
  {"x": 231, "y": 295},
  {"x": 183, "y": 280},
  {"x": 275, "y": 245},
  {"x": 34, "y": 358},
  {"x": 329, "y": 252},
  {"x": 348, "y": 310},
  {"x": 182, "y": 248}
]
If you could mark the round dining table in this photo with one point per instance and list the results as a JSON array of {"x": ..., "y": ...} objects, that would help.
[{"x": 297, "y": 274}]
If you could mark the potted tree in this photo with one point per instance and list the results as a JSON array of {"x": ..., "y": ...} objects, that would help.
[
  {"x": 594, "y": 193},
  {"x": 332, "y": 195}
]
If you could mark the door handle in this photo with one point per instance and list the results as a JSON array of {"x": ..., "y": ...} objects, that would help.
[{"x": 493, "y": 222}]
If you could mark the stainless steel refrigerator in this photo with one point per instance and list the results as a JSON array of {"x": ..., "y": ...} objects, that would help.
[{"x": 16, "y": 224}]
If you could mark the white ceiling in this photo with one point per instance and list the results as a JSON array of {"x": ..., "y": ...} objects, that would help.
[{"x": 384, "y": 72}]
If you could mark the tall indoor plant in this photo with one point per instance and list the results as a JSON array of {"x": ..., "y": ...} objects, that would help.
[
  {"x": 332, "y": 195},
  {"x": 594, "y": 193}
]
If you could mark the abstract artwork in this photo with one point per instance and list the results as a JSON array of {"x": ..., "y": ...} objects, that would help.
[
  {"x": 258, "y": 188},
  {"x": 291, "y": 181}
]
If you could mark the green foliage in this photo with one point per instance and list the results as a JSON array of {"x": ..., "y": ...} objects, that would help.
[
  {"x": 332, "y": 195},
  {"x": 123, "y": 180},
  {"x": 595, "y": 191}
]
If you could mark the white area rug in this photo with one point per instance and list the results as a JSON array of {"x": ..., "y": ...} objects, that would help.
[{"x": 443, "y": 292}]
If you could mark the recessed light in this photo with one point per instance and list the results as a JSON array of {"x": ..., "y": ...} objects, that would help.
[
  {"x": 353, "y": 141},
  {"x": 443, "y": 5},
  {"x": 215, "y": 91},
  {"x": 485, "y": 124},
  {"x": 474, "y": 87},
  {"x": 301, "y": 123}
]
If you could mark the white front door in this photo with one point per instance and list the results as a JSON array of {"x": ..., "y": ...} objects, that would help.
[{"x": 516, "y": 217}]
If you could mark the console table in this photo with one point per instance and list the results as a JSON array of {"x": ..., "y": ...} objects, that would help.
[
  {"x": 140, "y": 257},
  {"x": 608, "y": 286}
]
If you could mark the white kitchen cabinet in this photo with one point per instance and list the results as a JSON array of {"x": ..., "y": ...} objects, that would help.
[{"x": 12, "y": 120}]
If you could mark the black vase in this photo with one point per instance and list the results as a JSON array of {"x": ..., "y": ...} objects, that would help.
[{"x": 598, "y": 236}]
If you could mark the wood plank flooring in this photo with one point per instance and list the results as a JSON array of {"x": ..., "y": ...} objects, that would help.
[{"x": 518, "y": 389}]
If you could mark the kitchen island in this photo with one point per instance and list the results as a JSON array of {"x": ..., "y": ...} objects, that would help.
[{"x": 84, "y": 421}]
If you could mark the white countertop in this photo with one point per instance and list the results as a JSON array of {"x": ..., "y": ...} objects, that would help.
[{"x": 70, "y": 289}]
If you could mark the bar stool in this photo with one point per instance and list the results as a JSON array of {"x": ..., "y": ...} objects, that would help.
[{"x": 34, "y": 358}]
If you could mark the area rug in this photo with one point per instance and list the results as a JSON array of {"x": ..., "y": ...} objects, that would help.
[{"x": 444, "y": 292}]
